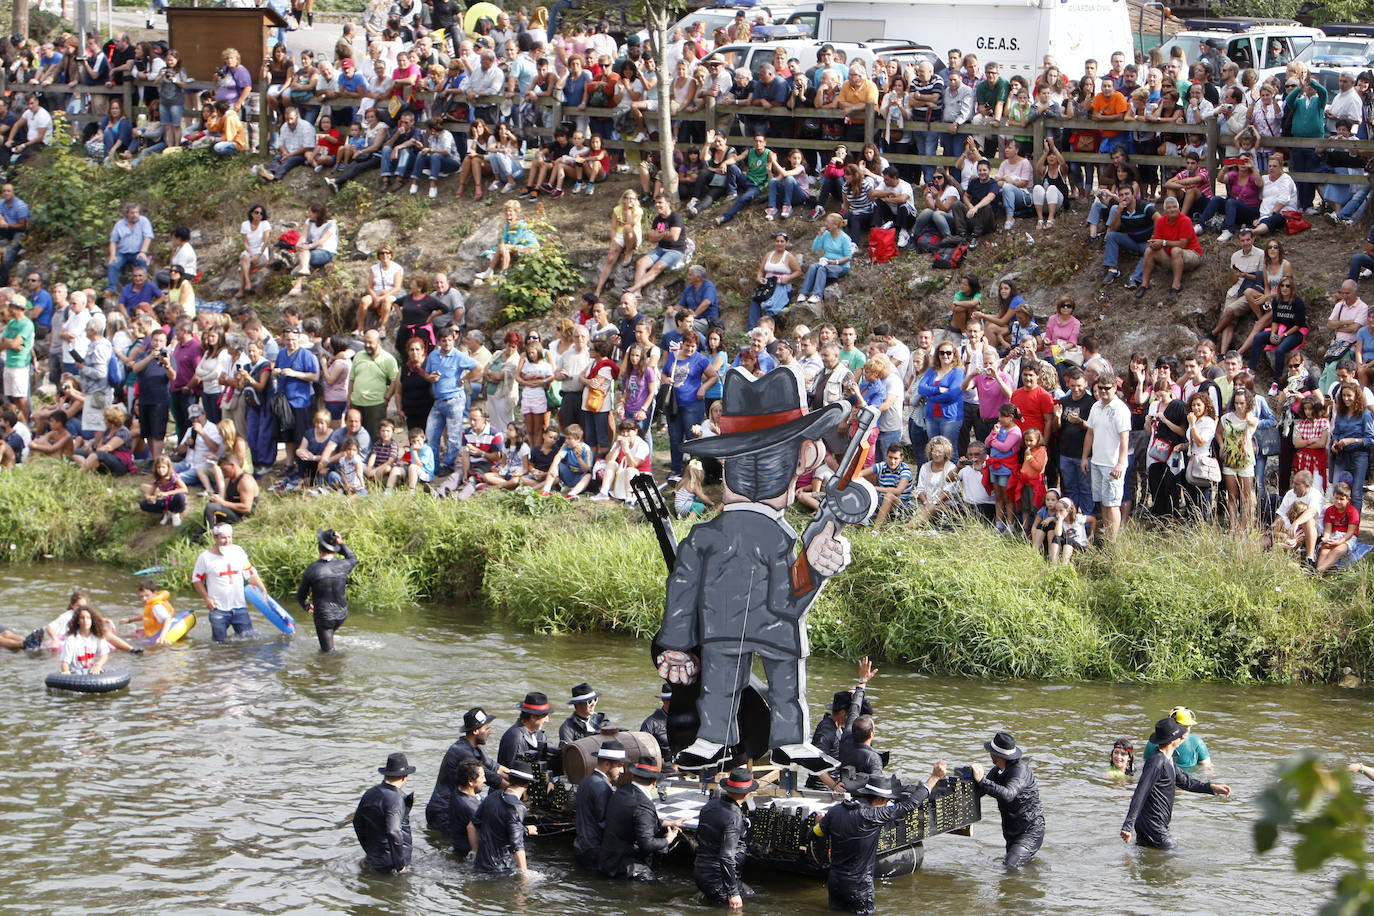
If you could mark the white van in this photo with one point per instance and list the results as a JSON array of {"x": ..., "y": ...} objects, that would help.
[{"x": 1016, "y": 36}]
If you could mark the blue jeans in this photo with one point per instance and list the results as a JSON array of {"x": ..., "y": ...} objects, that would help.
[
  {"x": 927, "y": 144},
  {"x": 226, "y": 147},
  {"x": 1075, "y": 483},
  {"x": 918, "y": 434},
  {"x": 221, "y": 620},
  {"x": 280, "y": 167},
  {"x": 1100, "y": 214},
  {"x": 1355, "y": 205},
  {"x": 818, "y": 275},
  {"x": 1352, "y": 461},
  {"x": 435, "y": 165},
  {"x": 948, "y": 428},
  {"x": 1289, "y": 343},
  {"x": 887, "y": 437},
  {"x": 1239, "y": 214},
  {"x": 1013, "y": 197},
  {"x": 446, "y": 421},
  {"x": 937, "y": 218},
  {"x": 771, "y": 306},
  {"x": 1117, "y": 242},
  {"x": 688, "y": 415},
  {"x": 395, "y": 164},
  {"x": 747, "y": 193},
  {"x": 1358, "y": 263},
  {"x": 507, "y": 168},
  {"x": 122, "y": 261},
  {"x": 788, "y": 191}
]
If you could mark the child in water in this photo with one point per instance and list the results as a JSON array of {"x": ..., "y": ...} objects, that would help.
[
  {"x": 156, "y": 611},
  {"x": 1122, "y": 765}
]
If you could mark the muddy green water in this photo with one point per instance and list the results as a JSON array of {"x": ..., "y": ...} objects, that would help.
[{"x": 225, "y": 777}]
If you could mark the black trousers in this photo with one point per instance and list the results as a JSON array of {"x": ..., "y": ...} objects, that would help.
[
  {"x": 851, "y": 897},
  {"x": 324, "y": 630},
  {"x": 1023, "y": 848}
]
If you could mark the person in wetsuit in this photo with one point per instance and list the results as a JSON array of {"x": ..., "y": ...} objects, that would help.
[
  {"x": 722, "y": 839},
  {"x": 500, "y": 822},
  {"x": 323, "y": 590},
  {"x": 593, "y": 795},
  {"x": 585, "y": 721},
  {"x": 1152, "y": 805},
  {"x": 852, "y": 828},
  {"x": 470, "y": 780},
  {"x": 656, "y": 723},
  {"x": 633, "y": 830},
  {"x": 476, "y": 731},
  {"x": 382, "y": 820},
  {"x": 1012, "y": 783}
]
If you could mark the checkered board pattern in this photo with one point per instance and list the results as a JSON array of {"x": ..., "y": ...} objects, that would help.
[{"x": 682, "y": 804}]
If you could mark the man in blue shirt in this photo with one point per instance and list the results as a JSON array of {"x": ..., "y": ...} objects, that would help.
[
  {"x": 672, "y": 340},
  {"x": 691, "y": 376},
  {"x": 296, "y": 371},
  {"x": 40, "y": 304},
  {"x": 701, "y": 298},
  {"x": 447, "y": 369},
  {"x": 14, "y": 224},
  {"x": 758, "y": 342},
  {"x": 139, "y": 292},
  {"x": 130, "y": 240}
]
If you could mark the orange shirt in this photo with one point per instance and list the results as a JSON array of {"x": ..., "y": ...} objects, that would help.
[{"x": 1116, "y": 104}]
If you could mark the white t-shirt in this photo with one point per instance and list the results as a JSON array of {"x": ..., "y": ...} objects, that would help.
[
  {"x": 1108, "y": 422},
  {"x": 36, "y": 121},
  {"x": 934, "y": 483},
  {"x": 25, "y": 435},
  {"x": 80, "y": 653},
  {"x": 385, "y": 279},
  {"x": 1206, "y": 428},
  {"x": 256, "y": 240},
  {"x": 185, "y": 258},
  {"x": 971, "y": 487},
  {"x": 1291, "y": 498},
  {"x": 206, "y": 436},
  {"x": 904, "y": 187},
  {"x": 223, "y": 575}
]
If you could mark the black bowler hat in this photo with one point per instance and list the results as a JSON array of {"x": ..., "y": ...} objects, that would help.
[
  {"x": 1166, "y": 730},
  {"x": 327, "y": 539},
  {"x": 396, "y": 765},
  {"x": 740, "y": 782},
  {"x": 1003, "y": 745},
  {"x": 666, "y": 691},
  {"x": 583, "y": 693},
  {"x": 844, "y": 697},
  {"x": 474, "y": 719},
  {"x": 759, "y": 413},
  {"x": 535, "y": 703},
  {"x": 645, "y": 769},
  {"x": 879, "y": 786}
]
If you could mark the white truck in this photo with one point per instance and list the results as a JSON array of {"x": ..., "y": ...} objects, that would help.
[{"x": 1017, "y": 35}]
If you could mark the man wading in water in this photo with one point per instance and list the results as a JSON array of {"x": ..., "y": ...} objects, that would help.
[
  {"x": 1152, "y": 805},
  {"x": 322, "y": 592}
]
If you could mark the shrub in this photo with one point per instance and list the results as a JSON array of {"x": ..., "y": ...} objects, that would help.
[{"x": 534, "y": 281}]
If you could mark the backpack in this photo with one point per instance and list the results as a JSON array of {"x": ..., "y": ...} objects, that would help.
[
  {"x": 882, "y": 245},
  {"x": 950, "y": 258},
  {"x": 928, "y": 242}
]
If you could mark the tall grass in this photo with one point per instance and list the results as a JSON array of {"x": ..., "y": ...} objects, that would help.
[{"x": 1156, "y": 606}]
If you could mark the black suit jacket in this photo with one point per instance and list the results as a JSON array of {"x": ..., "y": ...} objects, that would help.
[{"x": 632, "y": 832}]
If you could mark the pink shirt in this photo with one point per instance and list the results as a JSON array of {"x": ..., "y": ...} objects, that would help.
[
  {"x": 1062, "y": 332},
  {"x": 990, "y": 393}
]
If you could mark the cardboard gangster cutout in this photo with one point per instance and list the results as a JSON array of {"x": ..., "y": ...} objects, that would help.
[{"x": 738, "y": 587}]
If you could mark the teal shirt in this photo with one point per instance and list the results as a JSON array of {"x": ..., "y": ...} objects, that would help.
[
  {"x": 833, "y": 247},
  {"x": 1309, "y": 118},
  {"x": 1190, "y": 753},
  {"x": 22, "y": 330}
]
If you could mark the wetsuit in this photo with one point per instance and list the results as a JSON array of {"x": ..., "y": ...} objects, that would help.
[
  {"x": 500, "y": 821},
  {"x": 593, "y": 796},
  {"x": 518, "y": 743},
  {"x": 656, "y": 724},
  {"x": 1018, "y": 801},
  {"x": 632, "y": 834},
  {"x": 852, "y": 827},
  {"x": 575, "y": 727},
  {"x": 438, "y": 810},
  {"x": 828, "y": 734},
  {"x": 462, "y": 812},
  {"x": 324, "y": 585},
  {"x": 382, "y": 823},
  {"x": 722, "y": 838},
  {"x": 1152, "y": 805},
  {"x": 861, "y": 757}
]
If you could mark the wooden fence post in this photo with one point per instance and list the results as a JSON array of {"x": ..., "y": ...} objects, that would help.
[
  {"x": 870, "y": 122},
  {"x": 1213, "y": 147},
  {"x": 264, "y": 123}
]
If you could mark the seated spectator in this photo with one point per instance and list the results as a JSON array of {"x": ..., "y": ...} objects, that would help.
[
  {"x": 718, "y": 175},
  {"x": 1242, "y": 201},
  {"x": 628, "y": 456},
  {"x": 1274, "y": 267},
  {"x": 1340, "y": 527},
  {"x": 781, "y": 268},
  {"x": 505, "y": 159},
  {"x": 385, "y": 283},
  {"x": 112, "y": 450},
  {"x": 1298, "y": 520},
  {"x": 627, "y": 232},
  {"x": 892, "y": 478},
  {"x": 115, "y": 134},
  {"x": 1247, "y": 262},
  {"x": 1055, "y": 186},
  {"x": 399, "y": 152},
  {"x": 1279, "y": 193},
  {"x": 974, "y": 216},
  {"x": 516, "y": 238},
  {"x": 941, "y": 197},
  {"x": 895, "y": 205},
  {"x": 541, "y": 169},
  {"x": 228, "y": 134},
  {"x": 317, "y": 247},
  {"x": 570, "y": 163},
  {"x": 937, "y": 483},
  {"x": 572, "y": 466},
  {"x": 235, "y": 499},
  {"x": 1352, "y": 434},
  {"x": 166, "y": 494},
  {"x": 1174, "y": 246},
  {"x": 836, "y": 250},
  {"x": 670, "y": 242},
  {"x": 198, "y": 451},
  {"x": 362, "y": 152},
  {"x": 701, "y": 299},
  {"x": 859, "y": 203},
  {"x": 1015, "y": 175},
  {"x": 328, "y": 141},
  {"x": 437, "y": 157},
  {"x": 383, "y": 454},
  {"x": 1280, "y": 328},
  {"x": 416, "y": 464},
  {"x": 1192, "y": 186},
  {"x": 760, "y": 163},
  {"x": 295, "y": 138},
  {"x": 55, "y": 441},
  {"x": 790, "y": 186}
]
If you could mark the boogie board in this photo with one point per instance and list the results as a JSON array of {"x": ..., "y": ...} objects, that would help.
[
  {"x": 176, "y": 628},
  {"x": 266, "y": 605}
]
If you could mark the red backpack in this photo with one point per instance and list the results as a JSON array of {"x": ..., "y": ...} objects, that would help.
[{"x": 882, "y": 245}]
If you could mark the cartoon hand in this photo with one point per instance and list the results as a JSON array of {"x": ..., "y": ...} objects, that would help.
[
  {"x": 828, "y": 553},
  {"x": 678, "y": 667}
]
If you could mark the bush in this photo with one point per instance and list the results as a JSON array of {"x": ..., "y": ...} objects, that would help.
[{"x": 535, "y": 281}]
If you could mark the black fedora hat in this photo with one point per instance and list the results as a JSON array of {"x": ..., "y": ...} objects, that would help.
[
  {"x": 844, "y": 697},
  {"x": 517, "y": 775},
  {"x": 611, "y": 750},
  {"x": 1003, "y": 745},
  {"x": 535, "y": 703},
  {"x": 666, "y": 691},
  {"x": 474, "y": 719},
  {"x": 879, "y": 786},
  {"x": 583, "y": 693},
  {"x": 645, "y": 769},
  {"x": 1166, "y": 730},
  {"x": 327, "y": 539},
  {"x": 396, "y": 765},
  {"x": 762, "y": 412},
  {"x": 740, "y": 782}
]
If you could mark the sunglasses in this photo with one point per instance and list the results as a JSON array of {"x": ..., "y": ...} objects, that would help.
[
  {"x": 946, "y": 353},
  {"x": 532, "y": 337}
]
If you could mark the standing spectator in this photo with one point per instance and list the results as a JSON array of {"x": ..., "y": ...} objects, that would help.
[
  {"x": 369, "y": 378},
  {"x": 130, "y": 241},
  {"x": 14, "y": 226},
  {"x": 153, "y": 365},
  {"x": 1307, "y": 104},
  {"x": 1106, "y": 448},
  {"x": 1352, "y": 434},
  {"x": 17, "y": 342},
  {"x": 691, "y": 376},
  {"x": 185, "y": 358},
  {"x": 447, "y": 369},
  {"x": 295, "y": 372},
  {"x": 1071, "y": 417}
]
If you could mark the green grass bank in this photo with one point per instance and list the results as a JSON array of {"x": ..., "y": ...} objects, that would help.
[{"x": 1157, "y": 607}]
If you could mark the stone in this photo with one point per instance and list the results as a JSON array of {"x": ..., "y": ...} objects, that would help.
[
  {"x": 372, "y": 234},
  {"x": 483, "y": 307}
]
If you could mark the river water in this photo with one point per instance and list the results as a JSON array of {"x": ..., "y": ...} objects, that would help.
[{"x": 225, "y": 777}]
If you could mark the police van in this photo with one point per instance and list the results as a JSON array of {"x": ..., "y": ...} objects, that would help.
[{"x": 1017, "y": 36}]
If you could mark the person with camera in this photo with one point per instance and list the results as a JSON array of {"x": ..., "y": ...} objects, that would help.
[
  {"x": 852, "y": 828},
  {"x": 152, "y": 364},
  {"x": 1012, "y": 783}
]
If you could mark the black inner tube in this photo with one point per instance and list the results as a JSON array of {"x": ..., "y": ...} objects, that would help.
[{"x": 88, "y": 683}]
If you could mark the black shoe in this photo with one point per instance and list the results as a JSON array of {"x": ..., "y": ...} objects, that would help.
[
  {"x": 1141, "y": 290},
  {"x": 136, "y": 650},
  {"x": 34, "y": 640}
]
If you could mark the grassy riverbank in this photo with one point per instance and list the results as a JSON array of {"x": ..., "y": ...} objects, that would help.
[{"x": 1157, "y": 607}]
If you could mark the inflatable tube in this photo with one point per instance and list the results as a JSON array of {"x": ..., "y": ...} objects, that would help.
[
  {"x": 176, "y": 628},
  {"x": 268, "y": 607},
  {"x": 88, "y": 683},
  {"x": 478, "y": 11},
  {"x": 151, "y": 571}
]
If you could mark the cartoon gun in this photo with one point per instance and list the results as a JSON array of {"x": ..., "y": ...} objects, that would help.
[{"x": 847, "y": 500}]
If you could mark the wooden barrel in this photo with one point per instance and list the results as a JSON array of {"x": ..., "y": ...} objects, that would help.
[{"x": 579, "y": 758}]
